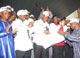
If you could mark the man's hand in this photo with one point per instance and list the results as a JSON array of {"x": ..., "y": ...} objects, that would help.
[
  {"x": 53, "y": 44},
  {"x": 31, "y": 38},
  {"x": 46, "y": 32},
  {"x": 42, "y": 9},
  {"x": 8, "y": 27},
  {"x": 47, "y": 9},
  {"x": 30, "y": 24},
  {"x": 62, "y": 33},
  {"x": 14, "y": 31}
]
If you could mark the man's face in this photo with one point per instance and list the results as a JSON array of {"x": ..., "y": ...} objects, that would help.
[
  {"x": 5, "y": 14},
  {"x": 0, "y": 13},
  {"x": 45, "y": 18},
  {"x": 73, "y": 25},
  {"x": 27, "y": 16},
  {"x": 55, "y": 19},
  {"x": 22, "y": 17}
]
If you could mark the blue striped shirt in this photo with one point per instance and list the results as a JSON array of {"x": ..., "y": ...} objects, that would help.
[{"x": 74, "y": 39}]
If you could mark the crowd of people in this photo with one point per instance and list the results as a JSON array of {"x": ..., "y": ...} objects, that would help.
[{"x": 22, "y": 35}]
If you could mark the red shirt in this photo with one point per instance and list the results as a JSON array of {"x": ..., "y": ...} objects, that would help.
[{"x": 61, "y": 43}]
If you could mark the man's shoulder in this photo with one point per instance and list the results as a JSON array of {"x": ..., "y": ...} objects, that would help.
[
  {"x": 79, "y": 28},
  {"x": 17, "y": 21},
  {"x": 37, "y": 22}
]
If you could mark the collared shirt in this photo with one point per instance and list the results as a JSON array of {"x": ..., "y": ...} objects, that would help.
[
  {"x": 22, "y": 41},
  {"x": 39, "y": 37},
  {"x": 38, "y": 28},
  {"x": 74, "y": 39}
]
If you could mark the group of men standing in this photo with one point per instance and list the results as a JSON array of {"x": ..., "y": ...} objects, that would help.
[{"x": 22, "y": 34}]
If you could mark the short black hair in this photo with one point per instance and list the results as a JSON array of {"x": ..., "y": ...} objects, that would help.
[
  {"x": 64, "y": 18},
  {"x": 54, "y": 16}
]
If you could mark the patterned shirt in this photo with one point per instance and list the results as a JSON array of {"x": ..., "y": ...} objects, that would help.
[{"x": 74, "y": 39}]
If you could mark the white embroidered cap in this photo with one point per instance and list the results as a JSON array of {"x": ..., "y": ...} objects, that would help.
[
  {"x": 74, "y": 20},
  {"x": 27, "y": 12},
  {"x": 31, "y": 15},
  {"x": 8, "y": 6},
  {"x": 46, "y": 13},
  {"x": 21, "y": 12},
  {"x": 4, "y": 9}
]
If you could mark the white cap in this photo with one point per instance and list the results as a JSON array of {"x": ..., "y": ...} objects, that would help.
[
  {"x": 4, "y": 9},
  {"x": 21, "y": 12},
  {"x": 31, "y": 15},
  {"x": 67, "y": 18},
  {"x": 27, "y": 11},
  {"x": 0, "y": 10},
  {"x": 8, "y": 6},
  {"x": 74, "y": 20},
  {"x": 12, "y": 9},
  {"x": 46, "y": 13}
]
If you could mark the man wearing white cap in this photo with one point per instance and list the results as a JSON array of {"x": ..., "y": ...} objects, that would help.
[
  {"x": 9, "y": 7},
  {"x": 32, "y": 17},
  {"x": 50, "y": 14},
  {"x": 41, "y": 27},
  {"x": 6, "y": 40},
  {"x": 28, "y": 19},
  {"x": 74, "y": 38},
  {"x": 42, "y": 38},
  {"x": 23, "y": 44},
  {"x": 12, "y": 13}
]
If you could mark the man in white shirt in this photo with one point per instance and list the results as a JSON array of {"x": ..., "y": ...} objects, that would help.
[
  {"x": 23, "y": 44},
  {"x": 41, "y": 29},
  {"x": 33, "y": 17},
  {"x": 43, "y": 39},
  {"x": 28, "y": 19}
]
